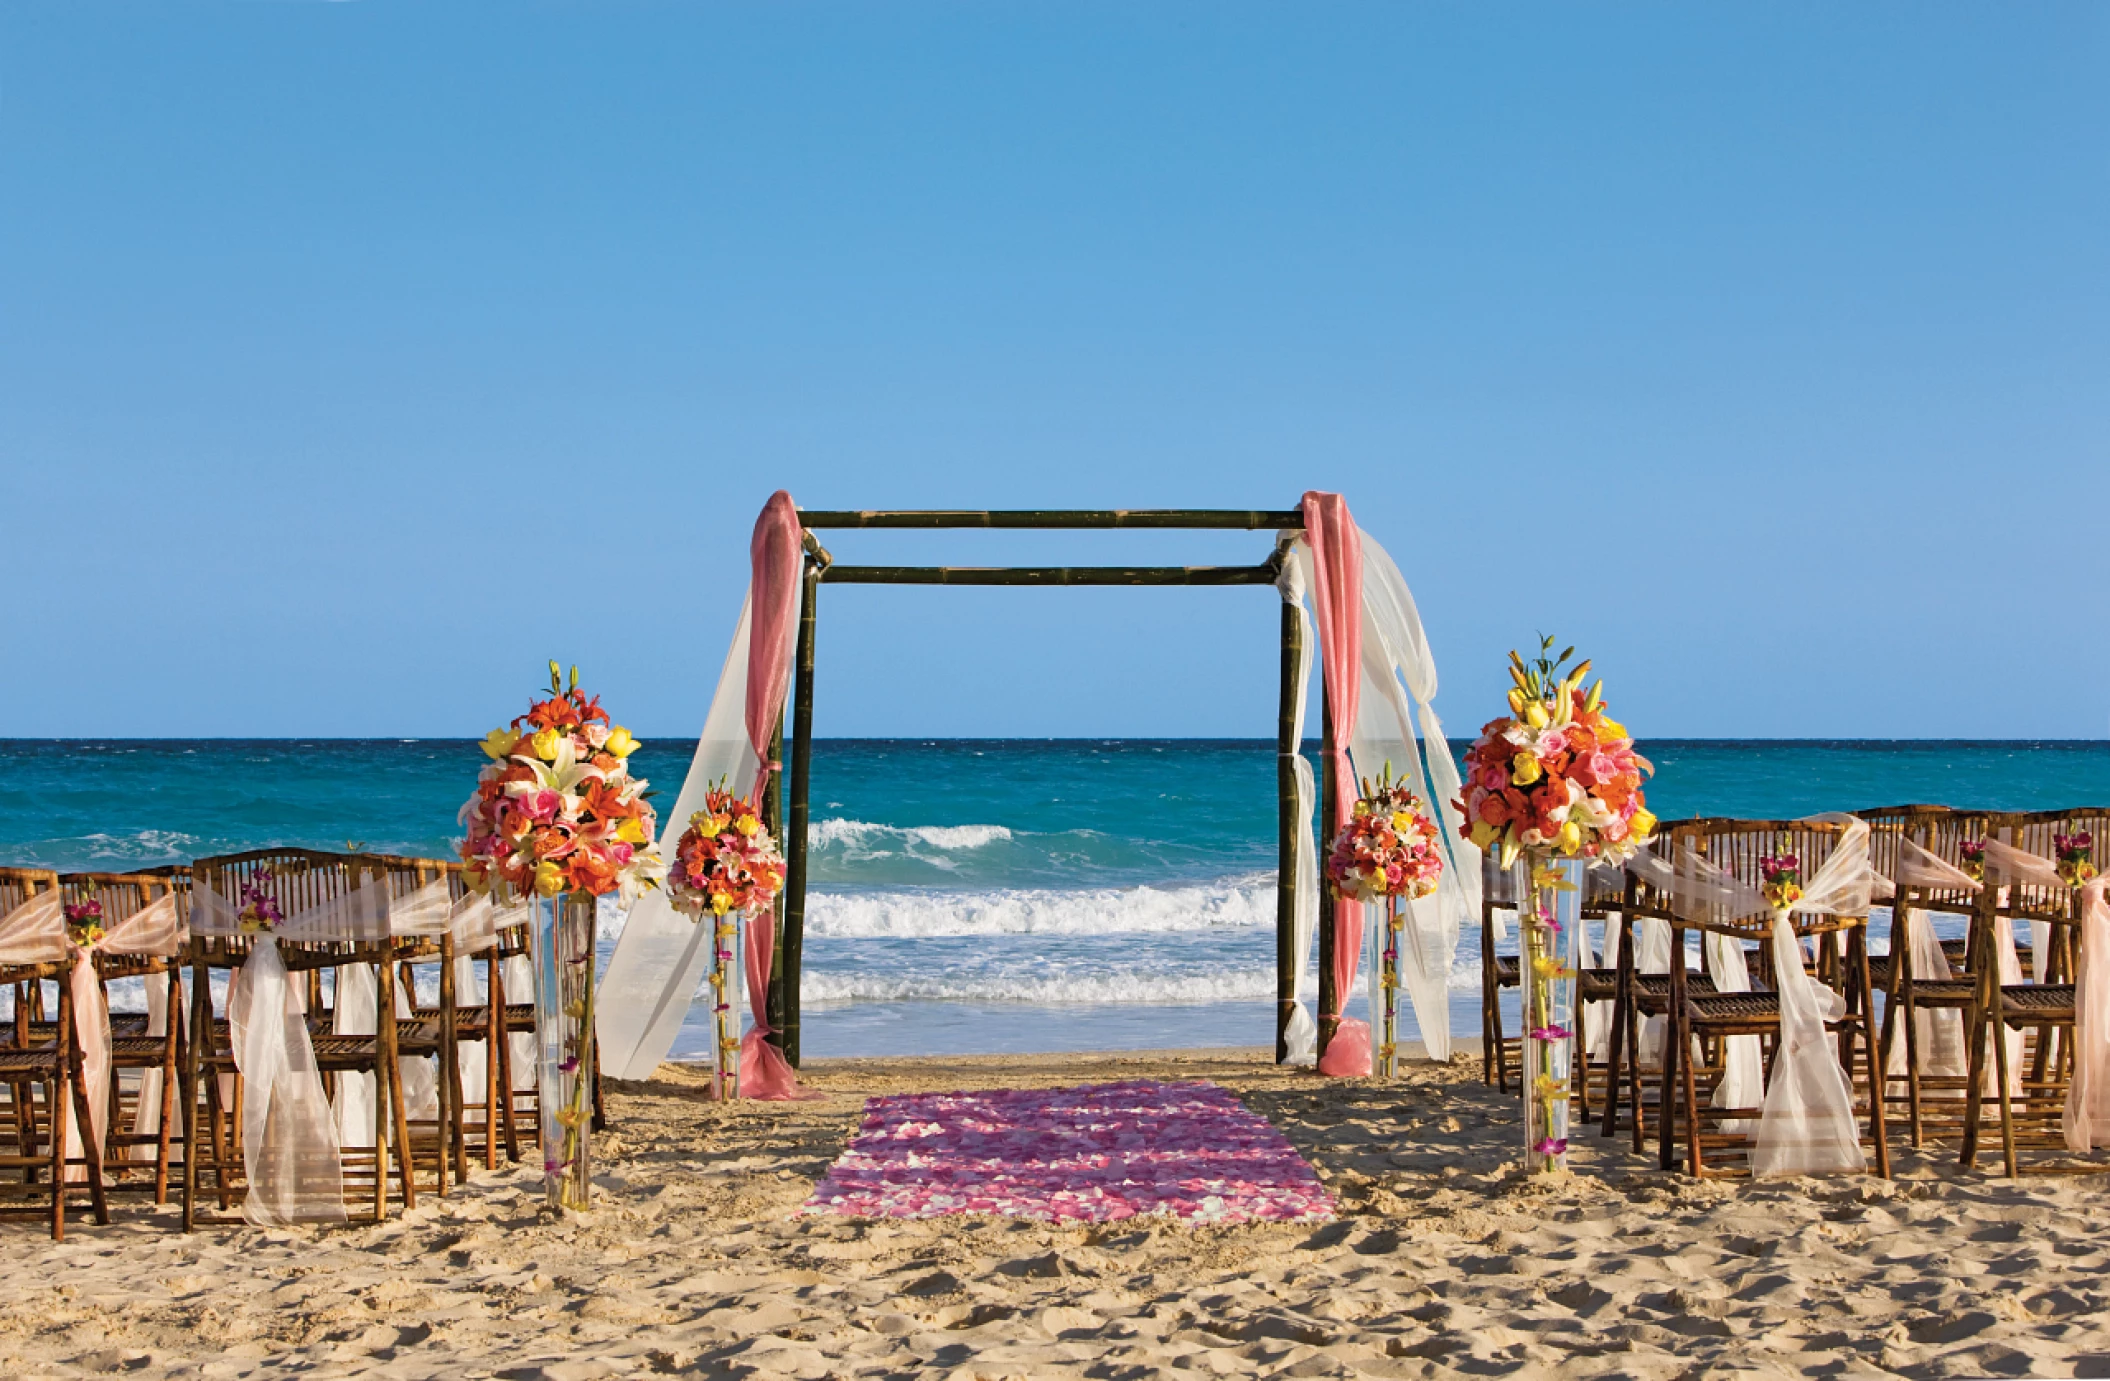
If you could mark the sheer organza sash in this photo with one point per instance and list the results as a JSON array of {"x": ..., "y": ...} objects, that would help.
[{"x": 35, "y": 931}]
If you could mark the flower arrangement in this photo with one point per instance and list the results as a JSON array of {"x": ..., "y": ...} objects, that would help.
[
  {"x": 2073, "y": 851},
  {"x": 84, "y": 922},
  {"x": 725, "y": 860},
  {"x": 1972, "y": 853},
  {"x": 556, "y": 810},
  {"x": 1781, "y": 879},
  {"x": 1388, "y": 848},
  {"x": 259, "y": 914},
  {"x": 1557, "y": 775}
]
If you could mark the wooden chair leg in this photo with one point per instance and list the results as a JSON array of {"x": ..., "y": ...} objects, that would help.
[
  {"x": 54, "y": 1099},
  {"x": 2003, "y": 1090},
  {"x": 1974, "y": 1088},
  {"x": 91, "y": 1151},
  {"x": 1691, "y": 1093},
  {"x": 1666, "y": 1103}
]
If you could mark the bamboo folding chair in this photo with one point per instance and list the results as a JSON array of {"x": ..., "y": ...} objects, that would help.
[
  {"x": 302, "y": 878},
  {"x": 44, "y": 1058},
  {"x": 1603, "y": 895},
  {"x": 1638, "y": 998},
  {"x": 430, "y": 1031},
  {"x": 516, "y": 1002},
  {"x": 482, "y": 1019},
  {"x": 134, "y": 1047},
  {"x": 1929, "y": 1098},
  {"x": 1736, "y": 846},
  {"x": 2042, "y": 1007},
  {"x": 1498, "y": 1050}
]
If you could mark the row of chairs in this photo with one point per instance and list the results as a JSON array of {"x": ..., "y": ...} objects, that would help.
[
  {"x": 1929, "y": 1044},
  {"x": 175, "y": 1100}
]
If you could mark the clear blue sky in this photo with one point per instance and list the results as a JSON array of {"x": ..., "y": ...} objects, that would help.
[{"x": 356, "y": 358}]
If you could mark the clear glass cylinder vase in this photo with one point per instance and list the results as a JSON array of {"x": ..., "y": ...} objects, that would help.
[
  {"x": 1391, "y": 914},
  {"x": 1547, "y": 925},
  {"x": 564, "y": 965},
  {"x": 725, "y": 1004}
]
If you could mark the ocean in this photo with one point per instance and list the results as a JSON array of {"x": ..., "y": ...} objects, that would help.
[{"x": 966, "y": 895}]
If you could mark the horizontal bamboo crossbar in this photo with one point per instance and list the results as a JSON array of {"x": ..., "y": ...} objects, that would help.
[
  {"x": 1243, "y": 519},
  {"x": 1049, "y": 575}
]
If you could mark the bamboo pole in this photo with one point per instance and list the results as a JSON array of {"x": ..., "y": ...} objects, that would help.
[
  {"x": 801, "y": 768},
  {"x": 1329, "y": 998},
  {"x": 1246, "y": 519},
  {"x": 1289, "y": 825},
  {"x": 1262, "y": 574}
]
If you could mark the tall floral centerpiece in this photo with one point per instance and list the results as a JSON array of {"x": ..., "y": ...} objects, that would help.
[
  {"x": 557, "y": 816},
  {"x": 1553, "y": 785},
  {"x": 1387, "y": 853},
  {"x": 726, "y": 867}
]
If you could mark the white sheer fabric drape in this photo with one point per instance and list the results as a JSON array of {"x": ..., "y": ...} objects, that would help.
[
  {"x": 1303, "y": 1034},
  {"x": 2085, "y": 1120},
  {"x": 660, "y": 959},
  {"x": 153, "y": 931},
  {"x": 1395, "y": 722}
]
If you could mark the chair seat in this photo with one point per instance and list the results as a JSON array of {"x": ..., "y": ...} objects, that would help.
[
  {"x": 1655, "y": 987},
  {"x": 1945, "y": 991},
  {"x": 39, "y": 1061},
  {"x": 137, "y": 1052},
  {"x": 2038, "y": 1000},
  {"x": 1508, "y": 969},
  {"x": 1726, "y": 1007},
  {"x": 1597, "y": 985},
  {"x": 124, "y": 1024}
]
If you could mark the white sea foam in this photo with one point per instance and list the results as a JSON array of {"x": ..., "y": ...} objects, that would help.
[
  {"x": 864, "y": 836},
  {"x": 1045, "y": 990},
  {"x": 912, "y": 912}
]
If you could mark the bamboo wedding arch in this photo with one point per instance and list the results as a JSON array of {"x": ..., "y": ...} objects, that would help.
[{"x": 820, "y": 568}]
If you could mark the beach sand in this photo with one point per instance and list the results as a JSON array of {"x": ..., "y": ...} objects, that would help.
[{"x": 1443, "y": 1262}]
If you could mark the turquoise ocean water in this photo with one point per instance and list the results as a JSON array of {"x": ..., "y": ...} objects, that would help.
[{"x": 996, "y": 895}]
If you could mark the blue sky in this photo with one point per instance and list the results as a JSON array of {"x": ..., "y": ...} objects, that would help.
[{"x": 357, "y": 358}]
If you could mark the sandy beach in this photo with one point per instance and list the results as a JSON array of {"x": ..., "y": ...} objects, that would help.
[{"x": 1442, "y": 1262}]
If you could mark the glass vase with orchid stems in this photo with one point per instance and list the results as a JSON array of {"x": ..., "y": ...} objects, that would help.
[
  {"x": 1388, "y": 988},
  {"x": 1547, "y": 926},
  {"x": 725, "y": 1000},
  {"x": 1556, "y": 785},
  {"x": 564, "y": 965}
]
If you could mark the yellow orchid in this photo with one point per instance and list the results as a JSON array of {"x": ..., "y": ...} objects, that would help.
[
  {"x": 545, "y": 742},
  {"x": 1549, "y": 1088},
  {"x": 576, "y": 1009},
  {"x": 571, "y": 1117},
  {"x": 499, "y": 743},
  {"x": 620, "y": 743}
]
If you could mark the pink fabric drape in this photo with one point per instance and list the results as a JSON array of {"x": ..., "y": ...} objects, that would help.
[
  {"x": 2086, "y": 1119},
  {"x": 1337, "y": 600},
  {"x": 774, "y": 601}
]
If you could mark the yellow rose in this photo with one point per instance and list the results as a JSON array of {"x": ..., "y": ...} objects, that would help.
[
  {"x": 721, "y": 902},
  {"x": 1642, "y": 825},
  {"x": 1612, "y": 729},
  {"x": 748, "y": 825},
  {"x": 499, "y": 742},
  {"x": 630, "y": 831},
  {"x": 1482, "y": 834},
  {"x": 1401, "y": 821},
  {"x": 1524, "y": 769},
  {"x": 545, "y": 744},
  {"x": 549, "y": 878},
  {"x": 620, "y": 743},
  {"x": 1570, "y": 837}
]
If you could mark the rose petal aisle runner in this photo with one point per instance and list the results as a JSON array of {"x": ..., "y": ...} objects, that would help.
[{"x": 1095, "y": 1153}]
